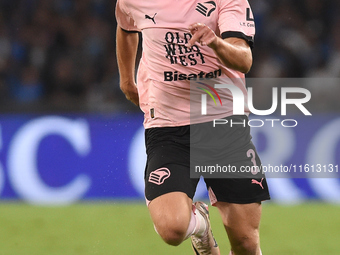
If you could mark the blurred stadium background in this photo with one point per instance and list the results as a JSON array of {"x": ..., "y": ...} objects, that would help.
[{"x": 71, "y": 146}]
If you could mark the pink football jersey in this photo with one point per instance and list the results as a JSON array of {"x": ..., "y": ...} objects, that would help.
[{"x": 168, "y": 66}]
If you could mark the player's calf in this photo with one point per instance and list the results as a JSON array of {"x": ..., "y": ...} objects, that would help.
[
  {"x": 242, "y": 222},
  {"x": 245, "y": 246}
]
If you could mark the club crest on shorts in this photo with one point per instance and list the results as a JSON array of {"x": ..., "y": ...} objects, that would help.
[{"x": 159, "y": 176}]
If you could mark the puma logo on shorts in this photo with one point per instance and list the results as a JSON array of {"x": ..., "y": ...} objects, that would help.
[
  {"x": 253, "y": 181},
  {"x": 159, "y": 176}
]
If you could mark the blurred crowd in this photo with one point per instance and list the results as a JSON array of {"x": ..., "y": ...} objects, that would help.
[
  {"x": 298, "y": 39},
  {"x": 59, "y": 55}
]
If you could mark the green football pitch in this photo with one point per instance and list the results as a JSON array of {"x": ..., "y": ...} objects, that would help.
[{"x": 125, "y": 228}]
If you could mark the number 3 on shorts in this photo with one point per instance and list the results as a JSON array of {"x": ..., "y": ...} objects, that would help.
[{"x": 251, "y": 154}]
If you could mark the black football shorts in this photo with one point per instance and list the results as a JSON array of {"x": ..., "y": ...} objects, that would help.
[{"x": 173, "y": 151}]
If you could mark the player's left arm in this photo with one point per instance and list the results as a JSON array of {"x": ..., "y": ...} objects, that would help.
[{"x": 234, "y": 53}]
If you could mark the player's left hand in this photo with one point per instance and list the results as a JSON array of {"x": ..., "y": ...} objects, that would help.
[{"x": 202, "y": 34}]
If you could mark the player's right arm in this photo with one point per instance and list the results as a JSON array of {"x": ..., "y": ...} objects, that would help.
[{"x": 127, "y": 45}]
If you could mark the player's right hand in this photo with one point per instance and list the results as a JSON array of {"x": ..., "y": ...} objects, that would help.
[
  {"x": 202, "y": 34},
  {"x": 131, "y": 92}
]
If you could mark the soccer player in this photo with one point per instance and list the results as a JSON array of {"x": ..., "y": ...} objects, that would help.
[{"x": 186, "y": 41}]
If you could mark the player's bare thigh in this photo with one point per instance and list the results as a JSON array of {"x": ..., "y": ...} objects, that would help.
[
  {"x": 242, "y": 222},
  {"x": 171, "y": 214}
]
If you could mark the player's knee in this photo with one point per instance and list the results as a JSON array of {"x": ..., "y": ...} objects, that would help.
[
  {"x": 245, "y": 245},
  {"x": 172, "y": 232},
  {"x": 173, "y": 237}
]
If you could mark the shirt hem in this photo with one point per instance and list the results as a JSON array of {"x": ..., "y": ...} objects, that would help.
[{"x": 189, "y": 122}]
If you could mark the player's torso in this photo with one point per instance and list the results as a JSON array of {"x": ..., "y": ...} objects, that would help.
[{"x": 168, "y": 65}]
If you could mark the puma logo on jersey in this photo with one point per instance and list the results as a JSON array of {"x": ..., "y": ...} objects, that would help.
[
  {"x": 152, "y": 18},
  {"x": 206, "y": 8}
]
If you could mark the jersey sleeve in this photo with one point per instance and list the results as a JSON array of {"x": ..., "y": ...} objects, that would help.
[
  {"x": 124, "y": 18},
  {"x": 236, "y": 20}
]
